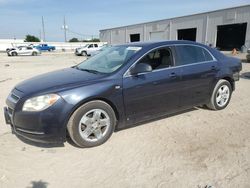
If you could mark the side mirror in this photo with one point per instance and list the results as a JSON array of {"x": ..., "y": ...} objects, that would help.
[{"x": 140, "y": 68}]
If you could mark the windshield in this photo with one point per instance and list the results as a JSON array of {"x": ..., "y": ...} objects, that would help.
[{"x": 109, "y": 60}]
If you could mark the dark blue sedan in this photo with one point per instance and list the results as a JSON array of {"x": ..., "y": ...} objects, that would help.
[{"x": 119, "y": 87}]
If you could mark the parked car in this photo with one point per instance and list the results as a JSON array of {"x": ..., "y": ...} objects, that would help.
[
  {"x": 102, "y": 48},
  {"x": 45, "y": 47},
  {"x": 8, "y": 49},
  {"x": 119, "y": 87},
  {"x": 13, "y": 48},
  {"x": 87, "y": 50},
  {"x": 23, "y": 50}
]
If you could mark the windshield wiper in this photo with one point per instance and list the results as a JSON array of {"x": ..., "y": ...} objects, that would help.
[{"x": 88, "y": 70}]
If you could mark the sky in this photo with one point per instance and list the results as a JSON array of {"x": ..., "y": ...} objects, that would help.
[{"x": 85, "y": 18}]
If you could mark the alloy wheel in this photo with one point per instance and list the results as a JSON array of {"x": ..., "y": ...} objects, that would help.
[{"x": 94, "y": 125}]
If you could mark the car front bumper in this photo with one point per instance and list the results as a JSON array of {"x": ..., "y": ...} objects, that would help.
[
  {"x": 78, "y": 52},
  {"x": 48, "y": 126},
  {"x": 43, "y": 134}
]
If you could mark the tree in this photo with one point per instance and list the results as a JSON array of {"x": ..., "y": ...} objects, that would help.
[
  {"x": 74, "y": 40},
  {"x": 31, "y": 38},
  {"x": 95, "y": 40},
  {"x": 92, "y": 40}
]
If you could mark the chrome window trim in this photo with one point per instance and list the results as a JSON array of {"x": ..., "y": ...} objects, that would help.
[
  {"x": 157, "y": 70},
  {"x": 126, "y": 74}
]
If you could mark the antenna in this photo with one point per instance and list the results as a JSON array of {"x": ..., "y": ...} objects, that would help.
[{"x": 43, "y": 29}]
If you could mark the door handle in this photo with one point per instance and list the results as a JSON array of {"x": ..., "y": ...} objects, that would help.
[
  {"x": 213, "y": 68},
  {"x": 155, "y": 83},
  {"x": 173, "y": 75}
]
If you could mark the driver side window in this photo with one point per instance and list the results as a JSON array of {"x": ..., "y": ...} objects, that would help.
[{"x": 158, "y": 59}]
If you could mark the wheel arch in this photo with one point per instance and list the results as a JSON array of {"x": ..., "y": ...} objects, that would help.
[
  {"x": 110, "y": 103},
  {"x": 84, "y": 51},
  {"x": 230, "y": 80}
]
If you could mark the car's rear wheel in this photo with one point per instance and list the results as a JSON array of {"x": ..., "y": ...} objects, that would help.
[
  {"x": 14, "y": 54},
  {"x": 221, "y": 95},
  {"x": 34, "y": 53},
  {"x": 84, "y": 53},
  {"x": 92, "y": 124}
]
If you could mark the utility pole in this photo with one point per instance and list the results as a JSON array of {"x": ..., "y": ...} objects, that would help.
[
  {"x": 65, "y": 27},
  {"x": 43, "y": 30},
  {"x": 40, "y": 35}
]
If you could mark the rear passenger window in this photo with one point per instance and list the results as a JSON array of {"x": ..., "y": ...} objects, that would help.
[
  {"x": 96, "y": 45},
  {"x": 192, "y": 54}
]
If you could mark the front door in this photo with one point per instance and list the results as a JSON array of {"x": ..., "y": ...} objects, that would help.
[{"x": 150, "y": 94}]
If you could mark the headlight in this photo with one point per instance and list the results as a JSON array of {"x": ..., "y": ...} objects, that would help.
[{"x": 40, "y": 103}]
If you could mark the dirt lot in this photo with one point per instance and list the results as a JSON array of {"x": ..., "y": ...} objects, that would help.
[{"x": 198, "y": 148}]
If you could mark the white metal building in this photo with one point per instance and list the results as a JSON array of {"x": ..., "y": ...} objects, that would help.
[{"x": 225, "y": 29}]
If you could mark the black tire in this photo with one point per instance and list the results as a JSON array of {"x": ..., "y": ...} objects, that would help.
[
  {"x": 14, "y": 54},
  {"x": 34, "y": 53},
  {"x": 49, "y": 50},
  {"x": 74, "y": 121},
  {"x": 213, "y": 105},
  {"x": 84, "y": 53},
  {"x": 248, "y": 58}
]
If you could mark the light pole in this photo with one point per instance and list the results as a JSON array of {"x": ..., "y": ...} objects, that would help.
[
  {"x": 65, "y": 28},
  {"x": 43, "y": 30}
]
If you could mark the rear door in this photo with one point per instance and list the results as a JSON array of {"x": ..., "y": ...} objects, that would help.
[
  {"x": 153, "y": 93},
  {"x": 29, "y": 50},
  {"x": 198, "y": 71},
  {"x": 91, "y": 48}
]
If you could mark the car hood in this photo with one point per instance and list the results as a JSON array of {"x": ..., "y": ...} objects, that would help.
[{"x": 60, "y": 79}]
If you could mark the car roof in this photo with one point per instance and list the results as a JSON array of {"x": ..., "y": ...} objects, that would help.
[
  {"x": 160, "y": 43},
  {"x": 155, "y": 44}
]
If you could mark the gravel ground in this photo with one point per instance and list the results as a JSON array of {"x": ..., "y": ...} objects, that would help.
[{"x": 197, "y": 149}]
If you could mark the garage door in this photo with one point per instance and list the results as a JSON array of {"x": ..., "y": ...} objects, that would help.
[
  {"x": 156, "y": 36},
  {"x": 231, "y": 36},
  {"x": 187, "y": 34}
]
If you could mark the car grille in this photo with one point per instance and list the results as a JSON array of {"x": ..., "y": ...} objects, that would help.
[
  {"x": 10, "y": 111},
  {"x": 13, "y": 97}
]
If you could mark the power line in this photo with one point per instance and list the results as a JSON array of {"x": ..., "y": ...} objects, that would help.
[{"x": 80, "y": 34}]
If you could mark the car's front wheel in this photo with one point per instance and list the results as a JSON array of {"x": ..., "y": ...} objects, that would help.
[
  {"x": 34, "y": 53},
  {"x": 84, "y": 53},
  {"x": 14, "y": 54},
  {"x": 221, "y": 95},
  {"x": 92, "y": 124}
]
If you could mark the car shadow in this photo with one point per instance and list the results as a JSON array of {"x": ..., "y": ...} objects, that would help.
[
  {"x": 244, "y": 61},
  {"x": 70, "y": 141},
  {"x": 38, "y": 184},
  {"x": 161, "y": 117},
  {"x": 245, "y": 75},
  {"x": 38, "y": 144}
]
